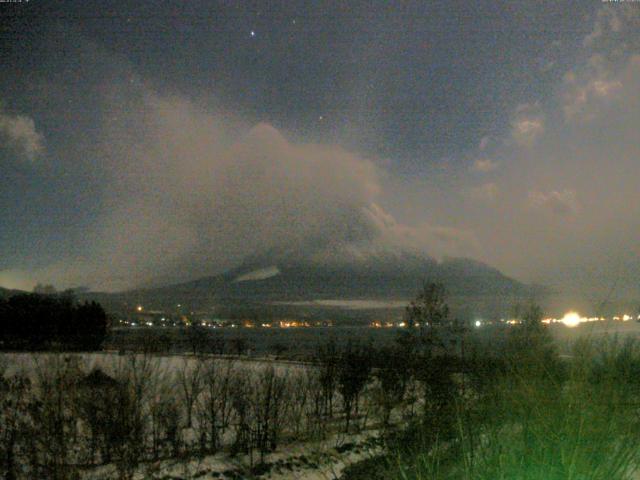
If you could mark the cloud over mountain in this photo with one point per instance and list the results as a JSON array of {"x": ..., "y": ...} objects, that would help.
[{"x": 192, "y": 193}]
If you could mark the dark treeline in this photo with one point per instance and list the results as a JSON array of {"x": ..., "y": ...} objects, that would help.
[{"x": 33, "y": 321}]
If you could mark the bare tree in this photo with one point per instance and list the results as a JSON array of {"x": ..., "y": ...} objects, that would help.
[
  {"x": 316, "y": 419},
  {"x": 436, "y": 358},
  {"x": 299, "y": 398},
  {"x": 189, "y": 381},
  {"x": 269, "y": 407},
  {"x": 166, "y": 418},
  {"x": 214, "y": 408},
  {"x": 96, "y": 397},
  {"x": 240, "y": 391},
  {"x": 127, "y": 431},
  {"x": 54, "y": 413},
  {"x": 393, "y": 377},
  {"x": 153, "y": 342},
  {"x": 429, "y": 309},
  {"x": 198, "y": 339},
  {"x": 327, "y": 356},
  {"x": 239, "y": 346},
  {"x": 353, "y": 374},
  {"x": 139, "y": 377}
]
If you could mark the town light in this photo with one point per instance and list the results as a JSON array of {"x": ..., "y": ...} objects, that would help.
[{"x": 571, "y": 319}]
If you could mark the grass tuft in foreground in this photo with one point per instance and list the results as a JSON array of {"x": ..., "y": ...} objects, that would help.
[{"x": 525, "y": 414}]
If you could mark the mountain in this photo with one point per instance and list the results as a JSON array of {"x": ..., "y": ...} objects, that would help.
[
  {"x": 376, "y": 275},
  {"x": 6, "y": 293},
  {"x": 282, "y": 285}
]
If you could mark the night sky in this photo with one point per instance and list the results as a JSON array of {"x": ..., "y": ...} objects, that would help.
[{"x": 148, "y": 142}]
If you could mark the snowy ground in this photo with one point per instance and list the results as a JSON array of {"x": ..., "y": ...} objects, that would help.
[{"x": 323, "y": 460}]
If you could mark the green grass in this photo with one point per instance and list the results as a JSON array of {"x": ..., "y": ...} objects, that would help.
[{"x": 537, "y": 418}]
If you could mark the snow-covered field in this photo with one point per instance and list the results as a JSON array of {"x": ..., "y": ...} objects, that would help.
[
  {"x": 110, "y": 362},
  {"x": 196, "y": 417}
]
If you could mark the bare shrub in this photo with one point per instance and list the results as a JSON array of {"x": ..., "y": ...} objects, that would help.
[{"x": 17, "y": 427}]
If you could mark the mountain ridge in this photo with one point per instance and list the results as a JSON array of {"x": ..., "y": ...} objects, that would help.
[{"x": 394, "y": 276}]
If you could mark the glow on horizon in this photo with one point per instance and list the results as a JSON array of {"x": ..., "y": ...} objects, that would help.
[{"x": 571, "y": 319}]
